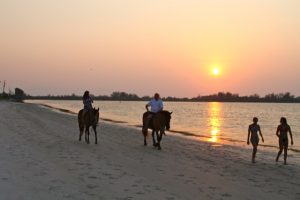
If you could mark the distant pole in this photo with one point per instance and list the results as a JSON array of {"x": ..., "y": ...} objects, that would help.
[{"x": 3, "y": 87}]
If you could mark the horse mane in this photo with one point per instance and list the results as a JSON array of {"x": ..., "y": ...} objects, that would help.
[{"x": 165, "y": 112}]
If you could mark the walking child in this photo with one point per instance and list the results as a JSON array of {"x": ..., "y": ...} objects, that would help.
[
  {"x": 253, "y": 130},
  {"x": 282, "y": 133}
]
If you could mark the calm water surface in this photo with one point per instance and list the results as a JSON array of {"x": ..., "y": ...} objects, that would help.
[{"x": 219, "y": 123}]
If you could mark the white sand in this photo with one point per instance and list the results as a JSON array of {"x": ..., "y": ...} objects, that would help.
[{"x": 42, "y": 159}]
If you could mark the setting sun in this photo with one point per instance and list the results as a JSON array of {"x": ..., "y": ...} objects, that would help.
[{"x": 215, "y": 71}]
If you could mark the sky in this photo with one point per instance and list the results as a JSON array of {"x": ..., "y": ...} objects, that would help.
[{"x": 147, "y": 46}]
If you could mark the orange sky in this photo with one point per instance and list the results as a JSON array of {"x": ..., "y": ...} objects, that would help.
[{"x": 142, "y": 46}]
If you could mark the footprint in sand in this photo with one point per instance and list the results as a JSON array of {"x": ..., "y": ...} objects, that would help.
[
  {"x": 90, "y": 186},
  {"x": 139, "y": 181},
  {"x": 226, "y": 195},
  {"x": 189, "y": 181},
  {"x": 41, "y": 174},
  {"x": 157, "y": 188},
  {"x": 170, "y": 198},
  {"x": 69, "y": 196},
  {"x": 126, "y": 198},
  {"x": 92, "y": 177},
  {"x": 212, "y": 188},
  {"x": 140, "y": 193},
  {"x": 54, "y": 188},
  {"x": 89, "y": 194}
]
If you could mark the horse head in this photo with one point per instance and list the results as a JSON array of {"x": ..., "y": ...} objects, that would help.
[
  {"x": 168, "y": 119},
  {"x": 96, "y": 115}
]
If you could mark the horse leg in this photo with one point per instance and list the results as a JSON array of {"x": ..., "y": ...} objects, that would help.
[
  {"x": 161, "y": 134},
  {"x": 96, "y": 139},
  {"x": 153, "y": 139},
  {"x": 88, "y": 136},
  {"x": 159, "y": 137},
  {"x": 145, "y": 141},
  {"x": 158, "y": 141},
  {"x": 87, "y": 133},
  {"x": 81, "y": 128}
]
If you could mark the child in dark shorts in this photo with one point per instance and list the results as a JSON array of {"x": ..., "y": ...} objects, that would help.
[{"x": 282, "y": 133}]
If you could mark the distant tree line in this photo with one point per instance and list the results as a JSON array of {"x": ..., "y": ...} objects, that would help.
[
  {"x": 230, "y": 97},
  {"x": 219, "y": 97}
]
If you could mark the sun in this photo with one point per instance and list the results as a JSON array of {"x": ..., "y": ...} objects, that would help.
[{"x": 215, "y": 71}]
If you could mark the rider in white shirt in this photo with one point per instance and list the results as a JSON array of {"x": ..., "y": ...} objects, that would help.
[{"x": 156, "y": 105}]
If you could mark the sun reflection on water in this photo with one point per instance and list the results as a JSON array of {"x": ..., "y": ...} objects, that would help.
[{"x": 214, "y": 122}]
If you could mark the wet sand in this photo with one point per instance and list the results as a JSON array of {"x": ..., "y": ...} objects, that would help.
[{"x": 41, "y": 158}]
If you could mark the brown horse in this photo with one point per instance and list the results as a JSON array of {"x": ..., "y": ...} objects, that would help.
[
  {"x": 87, "y": 119},
  {"x": 159, "y": 122}
]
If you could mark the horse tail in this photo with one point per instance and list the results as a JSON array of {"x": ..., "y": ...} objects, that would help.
[
  {"x": 144, "y": 121},
  {"x": 80, "y": 115},
  {"x": 80, "y": 121}
]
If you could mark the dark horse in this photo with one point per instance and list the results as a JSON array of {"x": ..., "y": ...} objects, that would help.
[
  {"x": 86, "y": 120},
  {"x": 159, "y": 122}
]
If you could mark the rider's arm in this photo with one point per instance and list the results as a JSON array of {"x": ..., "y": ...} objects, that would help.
[{"x": 161, "y": 106}]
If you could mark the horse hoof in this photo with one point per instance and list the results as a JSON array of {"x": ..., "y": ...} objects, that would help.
[
  {"x": 145, "y": 144},
  {"x": 159, "y": 148},
  {"x": 155, "y": 144}
]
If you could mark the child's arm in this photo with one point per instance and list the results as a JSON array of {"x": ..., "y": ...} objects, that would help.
[
  {"x": 260, "y": 133},
  {"x": 248, "y": 135},
  {"x": 290, "y": 131},
  {"x": 277, "y": 132}
]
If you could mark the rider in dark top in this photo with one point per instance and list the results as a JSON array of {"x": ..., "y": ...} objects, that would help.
[{"x": 87, "y": 101}]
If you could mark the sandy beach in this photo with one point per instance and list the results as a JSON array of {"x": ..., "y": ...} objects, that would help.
[{"x": 41, "y": 158}]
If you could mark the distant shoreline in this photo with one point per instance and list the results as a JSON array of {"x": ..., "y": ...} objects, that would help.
[
  {"x": 166, "y": 100},
  {"x": 219, "y": 97}
]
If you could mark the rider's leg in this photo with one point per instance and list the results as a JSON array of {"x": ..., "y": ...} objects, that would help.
[{"x": 148, "y": 119}]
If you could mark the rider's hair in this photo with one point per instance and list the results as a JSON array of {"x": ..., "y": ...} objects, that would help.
[{"x": 86, "y": 94}]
